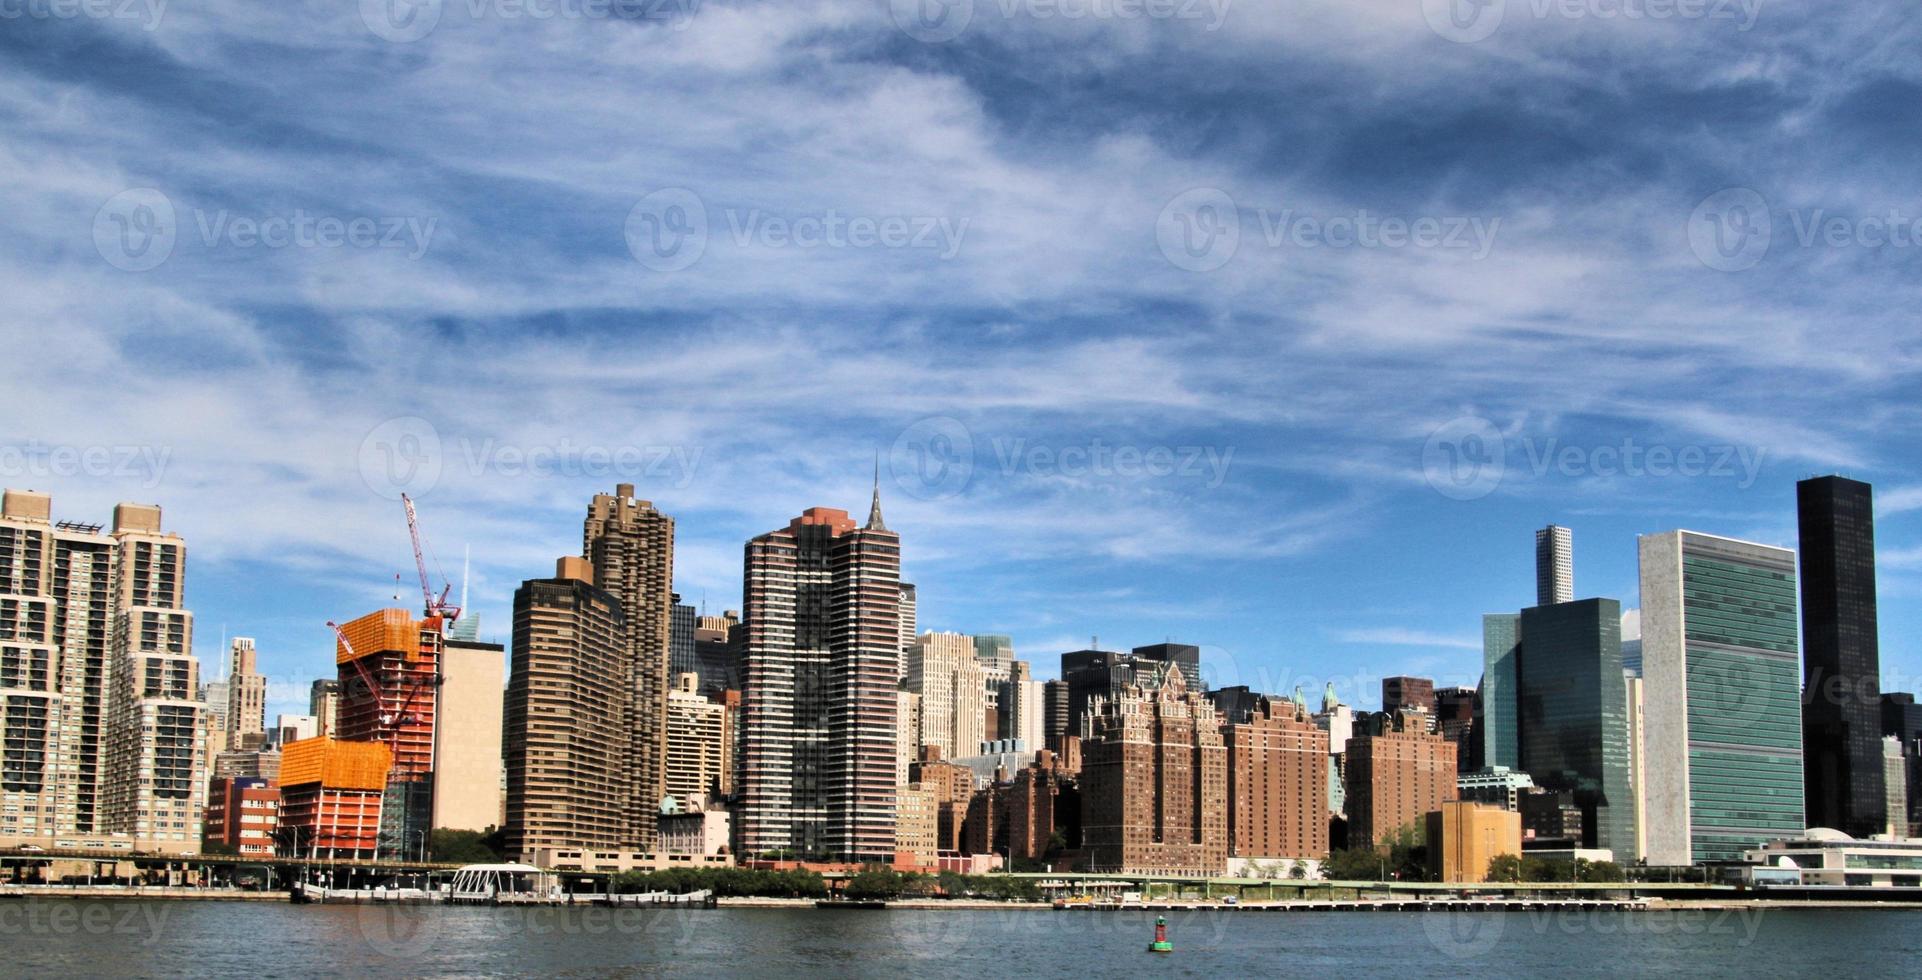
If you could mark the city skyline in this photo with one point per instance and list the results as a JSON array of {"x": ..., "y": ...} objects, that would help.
[{"x": 1291, "y": 393}]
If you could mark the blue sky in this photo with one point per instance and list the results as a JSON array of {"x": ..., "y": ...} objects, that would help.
[{"x": 1271, "y": 327}]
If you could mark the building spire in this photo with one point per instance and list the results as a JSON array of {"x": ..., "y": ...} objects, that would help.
[{"x": 874, "y": 509}]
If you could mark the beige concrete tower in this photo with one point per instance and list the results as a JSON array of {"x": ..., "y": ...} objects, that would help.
[
  {"x": 631, "y": 548},
  {"x": 246, "y": 696},
  {"x": 156, "y": 783}
]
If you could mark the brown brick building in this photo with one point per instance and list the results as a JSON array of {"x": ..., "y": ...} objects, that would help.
[
  {"x": 953, "y": 786},
  {"x": 1277, "y": 783},
  {"x": 1154, "y": 780},
  {"x": 1394, "y": 774},
  {"x": 1032, "y": 802}
]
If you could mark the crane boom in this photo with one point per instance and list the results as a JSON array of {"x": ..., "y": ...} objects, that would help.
[{"x": 434, "y": 605}]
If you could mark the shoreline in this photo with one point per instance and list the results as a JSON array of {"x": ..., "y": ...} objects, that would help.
[{"x": 1651, "y": 905}]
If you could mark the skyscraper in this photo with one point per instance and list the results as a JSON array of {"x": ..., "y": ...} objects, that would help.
[
  {"x": 1841, "y": 674},
  {"x": 1722, "y": 725},
  {"x": 565, "y": 723},
  {"x": 1501, "y": 653},
  {"x": 1393, "y": 774},
  {"x": 1277, "y": 782},
  {"x": 467, "y": 736},
  {"x": 680, "y": 640},
  {"x": 1154, "y": 780},
  {"x": 942, "y": 669},
  {"x": 323, "y": 702},
  {"x": 823, "y": 659},
  {"x": 246, "y": 696},
  {"x": 1574, "y": 727},
  {"x": 630, "y": 544},
  {"x": 699, "y": 743},
  {"x": 1554, "y": 565}
]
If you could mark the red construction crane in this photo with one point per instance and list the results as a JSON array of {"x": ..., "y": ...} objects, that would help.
[{"x": 435, "y": 605}]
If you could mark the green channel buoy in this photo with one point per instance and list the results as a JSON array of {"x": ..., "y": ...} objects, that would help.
[{"x": 1161, "y": 943}]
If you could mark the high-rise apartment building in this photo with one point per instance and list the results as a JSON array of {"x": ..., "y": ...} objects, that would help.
[
  {"x": 246, "y": 696},
  {"x": 1841, "y": 671},
  {"x": 907, "y": 735},
  {"x": 1091, "y": 674},
  {"x": 154, "y": 790},
  {"x": 1501, "y": 655},
  {"x": 1277, "y": 782},
  {"x": 1554, "y": 565},
  {"x": 1056, "y": 698},
  {"x": 1574, "y": 726},
  {"x": 1021, "y": 707},
  {"x": 631, "y": 547},
  {"x": 1895, "y": 788},
  {"x": 332, "y": 799},
  {"x": 565, "y": 723},
  {"x": 942, "y": 669},
  {"x": 1154, "y": 780},
  {"x": 822, "y": 609},
  {"x": 910, "y": 623},
  {"x": 1394, "y": 773},
  {"x": 1722, "y": 720},
  {"x": 700, "y": 742},
  {"x": 467, "y": 736}
]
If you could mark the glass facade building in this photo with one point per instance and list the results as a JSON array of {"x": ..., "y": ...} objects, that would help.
[
  {"x": 1722, "y": 705},
  {"x": 1573, "y": 726},
  {"x": 1501, "y": 640},
  {"x": 1841, "y": 673}
]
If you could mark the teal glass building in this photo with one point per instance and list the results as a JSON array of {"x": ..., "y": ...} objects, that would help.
[
  {"x": 1721, "y": 697},
  {"x": 1573, "y": 727},
  {"x": 1501, "y": 640}
]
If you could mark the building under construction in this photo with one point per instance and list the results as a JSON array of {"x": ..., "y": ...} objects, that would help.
[
  {"x": 331, "y": 798},
  {"x": 389, "y": 664}
]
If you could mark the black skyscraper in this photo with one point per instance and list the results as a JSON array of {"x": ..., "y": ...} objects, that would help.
[{"x": 1841, "y": 685}]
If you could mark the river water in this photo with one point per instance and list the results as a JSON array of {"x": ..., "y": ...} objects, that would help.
[{"x": 126, "y": 939}]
